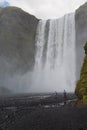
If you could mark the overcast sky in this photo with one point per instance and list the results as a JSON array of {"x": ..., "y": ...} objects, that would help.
[{"x": 47, "y": 8}]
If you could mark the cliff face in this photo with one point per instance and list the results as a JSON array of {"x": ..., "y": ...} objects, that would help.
[
  {"x": 17, "y": 39},
  {"x": 81, "y": 35},
  {"x": 81, "y": 87},
  {"x": 17, "y": 47}
]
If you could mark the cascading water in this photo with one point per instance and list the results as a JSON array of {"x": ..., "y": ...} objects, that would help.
[{"x": 55, "y": 55}]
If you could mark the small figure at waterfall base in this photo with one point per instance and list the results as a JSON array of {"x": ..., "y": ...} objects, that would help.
[{"x": 65, "y": 97}]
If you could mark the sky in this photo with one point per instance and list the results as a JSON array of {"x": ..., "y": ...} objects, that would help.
[
  {"x": 45, "y": 9},
  {"x": 4, "y": 4}
]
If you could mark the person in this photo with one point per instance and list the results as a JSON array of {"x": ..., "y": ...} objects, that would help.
[{"x": 65, "y": 97}]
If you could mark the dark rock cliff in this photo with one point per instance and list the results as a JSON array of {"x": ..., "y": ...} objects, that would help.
[
  {"x": 17, "y": 39},
  {"x": 81, "y": 35},
  {"x": 17, "y": 47}
]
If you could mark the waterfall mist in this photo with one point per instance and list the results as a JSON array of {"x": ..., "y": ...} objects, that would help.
[
  {"x": 55, "y": 55},
  {"x": 12, "y": 78}
]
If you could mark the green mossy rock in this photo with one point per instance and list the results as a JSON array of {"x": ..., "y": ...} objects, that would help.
[
  {"x": 81, "y": 85},
  {"x": 85, "y": 99}
]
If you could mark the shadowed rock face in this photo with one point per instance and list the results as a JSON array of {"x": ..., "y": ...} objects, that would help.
[
  {"x": 17, "y": 47},
  {"x": 17, "y": 39},
  {"x": 81, "y": 35}
]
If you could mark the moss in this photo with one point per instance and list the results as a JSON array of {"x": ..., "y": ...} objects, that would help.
[
  {"x": 81, "y": 85},
  {"x": 85, "y": 99},
  {"x": 83, "y": 91},
  {"x": 77, "y": 88}
]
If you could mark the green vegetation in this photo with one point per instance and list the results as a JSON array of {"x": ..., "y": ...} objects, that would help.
[{"x": 81, "y": 86}]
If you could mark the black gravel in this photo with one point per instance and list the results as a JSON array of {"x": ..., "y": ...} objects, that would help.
[{"x": 25, "y": 117}]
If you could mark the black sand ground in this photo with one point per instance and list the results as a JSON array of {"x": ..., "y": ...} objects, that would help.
[{"x": 24, "y": 117}]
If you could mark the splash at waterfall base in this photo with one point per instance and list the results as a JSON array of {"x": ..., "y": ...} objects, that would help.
[{"x": 55, "y": 65}]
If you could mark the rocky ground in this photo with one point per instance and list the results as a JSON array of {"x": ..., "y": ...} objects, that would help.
[{"x": 37, "y": 113}]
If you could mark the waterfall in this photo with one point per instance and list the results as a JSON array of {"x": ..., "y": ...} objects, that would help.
[{"x": 54, "y": 68}]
